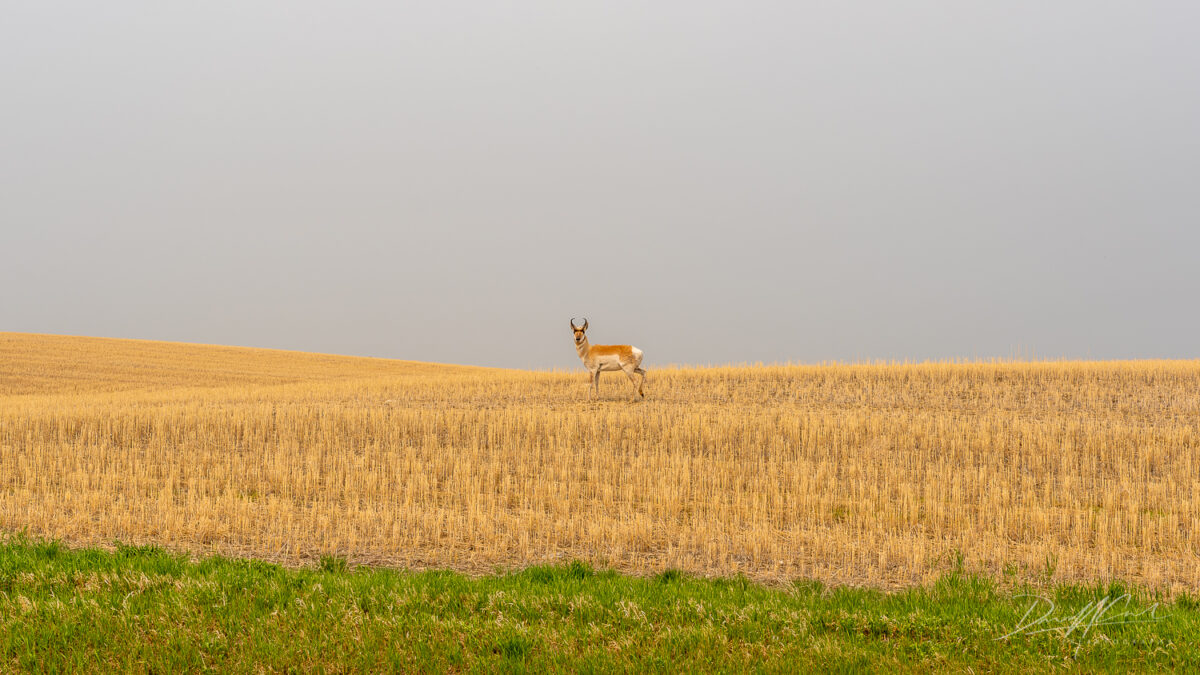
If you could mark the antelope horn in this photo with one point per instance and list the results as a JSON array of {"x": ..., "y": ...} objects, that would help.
[
  {"x": 584, "y": 323},
  {"x": 572, "y": 323}
]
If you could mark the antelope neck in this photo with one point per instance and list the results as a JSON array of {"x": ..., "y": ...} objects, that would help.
[{"x": 582, "y": 347}]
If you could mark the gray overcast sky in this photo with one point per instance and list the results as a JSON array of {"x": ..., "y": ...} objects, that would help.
[{"x": 713, "y": 182}]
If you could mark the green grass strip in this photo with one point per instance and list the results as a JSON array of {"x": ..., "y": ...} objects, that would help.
[{"x": 141, "y": 609}]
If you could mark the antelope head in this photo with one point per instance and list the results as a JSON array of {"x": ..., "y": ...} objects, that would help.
[{"x": 579, "y": 330}]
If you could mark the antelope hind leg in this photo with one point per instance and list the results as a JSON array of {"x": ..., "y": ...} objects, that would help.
[{"x": 632, "y": 380}]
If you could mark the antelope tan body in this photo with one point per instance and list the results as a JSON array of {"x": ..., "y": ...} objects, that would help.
[{"x": 599, "y": 358}]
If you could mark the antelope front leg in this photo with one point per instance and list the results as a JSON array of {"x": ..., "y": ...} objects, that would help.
[{"x": 596, "y": 383}]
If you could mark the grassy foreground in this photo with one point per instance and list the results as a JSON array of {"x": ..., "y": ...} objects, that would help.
[{"x": 143, "y": 609}]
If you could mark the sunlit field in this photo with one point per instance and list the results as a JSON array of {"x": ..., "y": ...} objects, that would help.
[{"x": 879, "y": 475}]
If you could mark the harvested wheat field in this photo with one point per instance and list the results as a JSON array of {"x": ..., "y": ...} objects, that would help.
[{"x": 882, "y": 475}]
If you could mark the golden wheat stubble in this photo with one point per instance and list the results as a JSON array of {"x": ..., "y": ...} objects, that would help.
[{"x": 867, "y": 474}]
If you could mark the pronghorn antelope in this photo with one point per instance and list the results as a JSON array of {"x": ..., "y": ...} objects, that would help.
[{"x": 598, "y": 358}]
